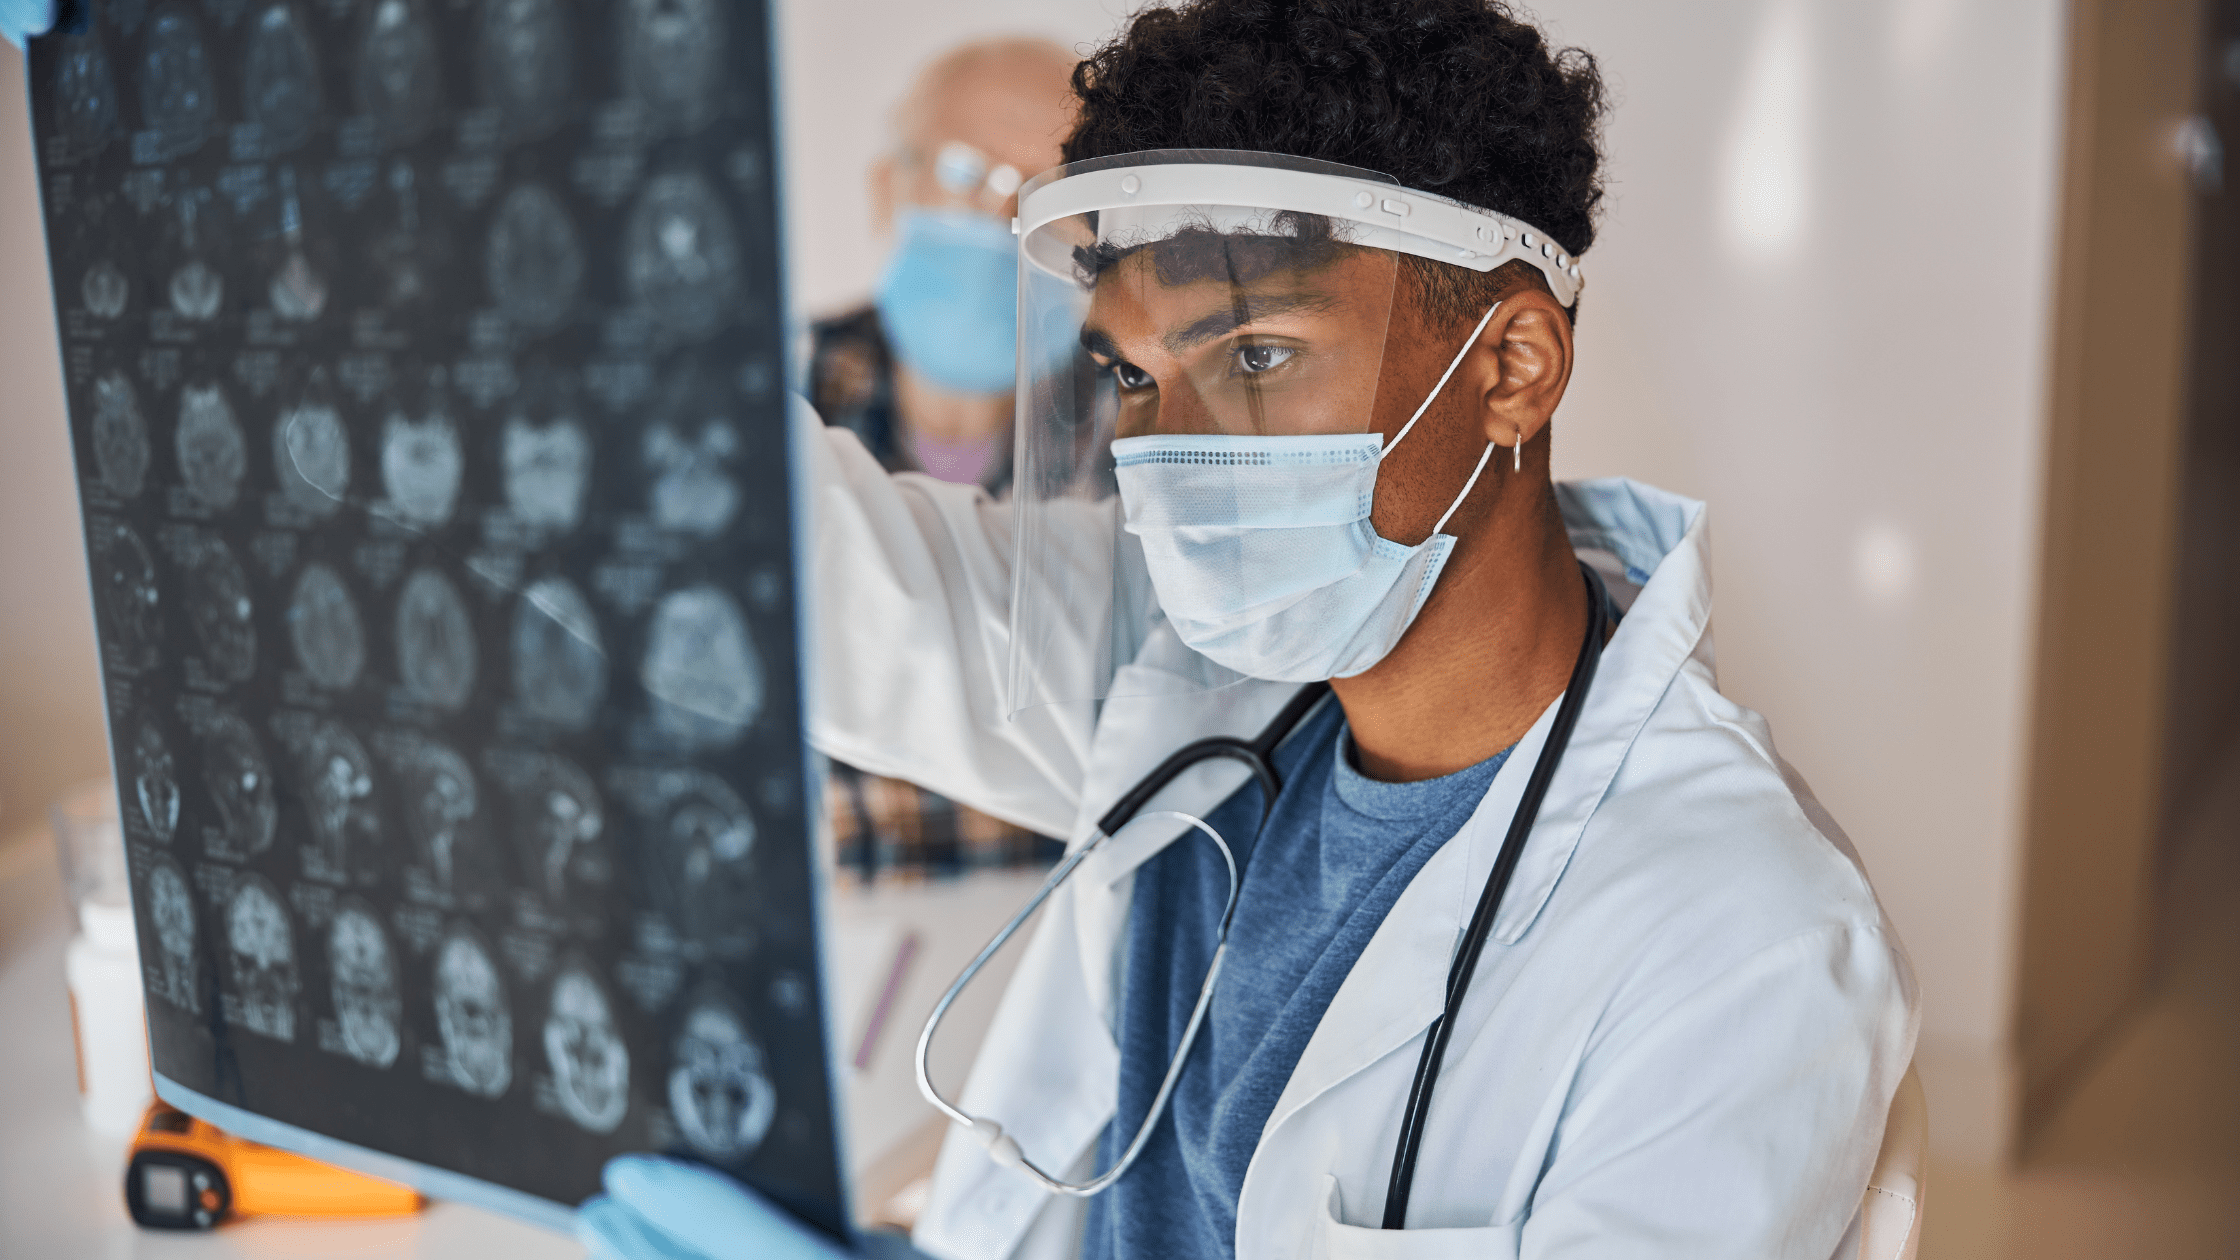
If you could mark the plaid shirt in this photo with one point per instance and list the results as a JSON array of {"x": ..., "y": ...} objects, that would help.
[{"x": 886, "y": 827}]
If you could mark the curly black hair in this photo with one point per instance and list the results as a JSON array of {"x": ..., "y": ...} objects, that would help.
[{"x": 1456, "y": 97}]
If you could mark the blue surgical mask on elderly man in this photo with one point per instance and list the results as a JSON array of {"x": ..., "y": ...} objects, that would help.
[{"x": 949, "y": 299}]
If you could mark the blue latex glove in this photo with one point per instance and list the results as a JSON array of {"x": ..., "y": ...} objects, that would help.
[
  {"x": 22, "y": 19},
  {"x": 667, "y": 1209}
]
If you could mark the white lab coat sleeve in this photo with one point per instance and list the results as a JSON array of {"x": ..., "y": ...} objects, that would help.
[
  {"x": 912, "y": 635},
  {"x": 1740, "y": 1122}
]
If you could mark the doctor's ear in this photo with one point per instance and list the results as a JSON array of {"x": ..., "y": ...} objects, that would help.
[{"x": 1530, "y": 337}]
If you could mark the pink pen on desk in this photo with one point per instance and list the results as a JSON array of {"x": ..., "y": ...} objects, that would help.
[{"x": 872, "y": 1027}]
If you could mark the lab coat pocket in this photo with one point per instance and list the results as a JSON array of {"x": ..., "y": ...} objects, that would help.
[{"x": 1336, "y": 1240}]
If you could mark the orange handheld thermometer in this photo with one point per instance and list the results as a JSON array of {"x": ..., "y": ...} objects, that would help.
[{"x": 186, "y": 1174}]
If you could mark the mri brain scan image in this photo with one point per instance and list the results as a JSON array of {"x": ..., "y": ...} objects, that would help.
[
  {"x": 435, "y": 641},
  {"x": 335, "y": 782},
  {"x": 435, "y": 790},
  {"x": 397, "y": 77},
  {"x": 701, "y": 668},
  {"x": 719, "y": 1083},
  {"x": 125, "y": 595},
  {"x": 533, "y": 260},
  {"x": 280, "y": 84},
  {"x": 421, "y": 466},
  {"x": 363, "y": 986},
  {"x": 547, "y": 469},
  {"x": 86, "y": 89},
  {"x": 682, "y": 257},
  {"x": 218, "y": 605},
  {"x": 323, "y": 626},
  {"x": 155, "y": 782},
  {"x": 213, "y": 457},
  {"x": 694, "y": 834},
  {"x": 311, "y": 458},
  {"x": 557, "y": 816},
  {"x": 261, "y": 960},
  {"x": 120, "y": 436},
  {"x": 559, "y": 659},
  {"x": 693, "y": 489},
  {"x": 104, "y": 290},
  {"x": 239, "y": 782},
  {"x": 178, "y": 100},
  {"x": 171, "y": 908},
  {"x": 673, "y": 60},
  {"x": 524, "y": 60},
  {"x": 472, "y": 1017},
  {"x": 590, "y": 1065}
]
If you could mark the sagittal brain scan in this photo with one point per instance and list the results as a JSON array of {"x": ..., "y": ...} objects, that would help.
[
  {"x": 719, "y": 1083},
  {"x": 590, "y": 1064},
  {"x": 368, "y": 1009},
  {"x": 424, "y": 370},
  {"x": 472, "y": 1018}
]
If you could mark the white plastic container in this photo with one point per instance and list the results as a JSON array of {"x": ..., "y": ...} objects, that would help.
[{"x": 108, "y": 1011}]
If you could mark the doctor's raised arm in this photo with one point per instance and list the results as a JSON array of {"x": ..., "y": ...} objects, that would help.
[{"x": 1424, "y": 896}]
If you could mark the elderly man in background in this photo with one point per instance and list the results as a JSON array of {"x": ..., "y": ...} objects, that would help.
[{"x": 923, "y": 374}]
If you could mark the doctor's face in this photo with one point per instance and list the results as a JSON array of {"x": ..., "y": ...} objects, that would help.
[{"x": 1228, "y": 344}]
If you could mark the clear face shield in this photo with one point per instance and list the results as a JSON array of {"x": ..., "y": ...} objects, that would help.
[{"x": 1206, "y": 310}]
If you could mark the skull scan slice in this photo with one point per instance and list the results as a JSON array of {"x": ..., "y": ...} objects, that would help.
[
  {"x": 533, "y": 261},
  {"x": 212, "y": 455},
  {"x": 435, "y": 641},
  {"x": 559, "y": 661},
  {"x": 262, "y": 959},
  {"x": 556, "y": 811},
  {"x": 124, "y": 594},
  {"x": 104, "y": 290},
  {"x": 218, "y": 605},
  {"x": 672, "y": 60},
  {"x": 695, "y": 835},
  {"x": 311, "y": 456},
  {"x": 397, "y": 77},
  {"x": 336, "y": 784},
  {"x": 171, "y": 907},
  {"x": 692, "y": 490},
  {"x": 547, "y": 468},
  {"x": 364, "y": 986},
  {"x": 590, "y": 1064},
  {"x": 524, "y": 58},
  {"x": 701, "y": 668},
  {"x": 280, "y": 85},
  {"x": 239, "y": 780},
  {"x": 422, "y": 463},
  {"x": 86, "y": 93},
  {"x": 120, "y": 436},
  {"x": 719, "y": 1084},
  {"x": 439, "y": 799},
  {"x": 681, "y": 257},
  {"x": 323, "y": 624},
  {"x": 178, "y": 101},
  {"x": 472, "y": 1017},
  {"x": 155, "y": 781}
]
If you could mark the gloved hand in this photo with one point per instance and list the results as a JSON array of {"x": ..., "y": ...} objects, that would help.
[
  {"x": 667, "y": 1209},
  {"x": 22, "y": 19}
]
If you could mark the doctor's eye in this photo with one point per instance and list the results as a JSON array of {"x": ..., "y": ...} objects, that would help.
[
  {"x": 1253, "y": 360},
  {"x": 1130, "y": 376}
]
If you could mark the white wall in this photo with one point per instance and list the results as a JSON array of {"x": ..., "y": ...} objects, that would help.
[{"x": 1819, "y": 302}]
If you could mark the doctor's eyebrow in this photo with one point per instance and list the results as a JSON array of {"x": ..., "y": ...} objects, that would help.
[{"x": 1245, "y": 309}]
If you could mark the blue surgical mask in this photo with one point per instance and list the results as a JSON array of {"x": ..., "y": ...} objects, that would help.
[{"x": 949, "y": 299}]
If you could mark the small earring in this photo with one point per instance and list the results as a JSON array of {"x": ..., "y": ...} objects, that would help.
[{"x": 1516, "y": 453}]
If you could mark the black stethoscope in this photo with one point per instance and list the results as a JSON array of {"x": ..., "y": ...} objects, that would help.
[{"x": 1257, "y": 755}]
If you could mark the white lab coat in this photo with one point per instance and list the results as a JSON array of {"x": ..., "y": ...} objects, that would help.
[{"x": 1682, "y": 1040}]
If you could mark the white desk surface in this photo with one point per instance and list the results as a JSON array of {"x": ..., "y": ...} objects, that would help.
[{"x": 61, "y": 1186}]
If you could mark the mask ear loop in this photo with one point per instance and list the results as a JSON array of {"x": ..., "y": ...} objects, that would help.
[{"x": 1443, "y": 376}]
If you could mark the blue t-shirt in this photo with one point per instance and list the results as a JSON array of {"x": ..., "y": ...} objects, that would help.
[{"x": 1336, "y": 853}]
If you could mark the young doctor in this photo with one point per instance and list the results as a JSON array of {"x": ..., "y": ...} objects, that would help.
[{"x": 1527, "y": 943}]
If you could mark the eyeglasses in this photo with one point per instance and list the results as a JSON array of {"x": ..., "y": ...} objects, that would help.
[{"x": 965, "y": 175}]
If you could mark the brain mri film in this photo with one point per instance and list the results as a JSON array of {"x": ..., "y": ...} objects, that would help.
[
  {"x": 124, "y": 594},
  {"x": 701, "y": 668},
  {"x": 524, "y": 62},
  {"x": 86, "y": 89},
  {"x": 178, "y": 102},
  {"x": 280, "y": 85},
  {"x": 590, "y": 1065},
  {"x": 120, "y": 436},
  {"x": 435, "y": 641},
  {"x": 311, "y": 457},
  {"x": 557, "y": 816},
  {"x": 559, "y": 661},
  {"x": 323, "y": 625},
  {"x": 694, "y": 835},
  {"x": 213, "y": 457},
  {"x": 547, "y": 468},
  {"x": 171, "y": 909},
  {"x": 297, "y": 291},
  {"x": 435, "y": 789},
  {"x": 682, "y": 257},
  {"x": 218, "y": 605},
  {"x": 693, "y": 489},
  {"x": 472, "y": 1017},
  {"x": 104, "y": 290},
  {"x": 261, "y": 960},
  {"x": 363, "y": 985},
  {"x": 719, "y": 1083},
  {"x": 155, "y": 782},
  {"x": 421, "y": 465},
  {"x": 239, "y": 781},
  {"x": 533, "y": 260},
  {"x": 397, "y": 78},
  {"x": 673, "y": 60},
  {"x": 335, "y": 783}
]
